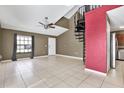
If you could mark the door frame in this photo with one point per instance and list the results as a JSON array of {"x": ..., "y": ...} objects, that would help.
[{"x": 51, "y": 46}]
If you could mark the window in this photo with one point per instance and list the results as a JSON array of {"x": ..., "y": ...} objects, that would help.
[{"x": 24, "y": 44}]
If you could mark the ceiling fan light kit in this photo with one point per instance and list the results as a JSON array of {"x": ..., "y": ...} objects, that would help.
[{"x": 47, "y": 25}]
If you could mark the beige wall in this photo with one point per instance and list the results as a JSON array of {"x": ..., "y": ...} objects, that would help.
[
  {"x": 63, "y": 22},
  {"x": 7, "y": 44},
  {"x": 67, "y": 44},
  {"x": 0, "y": 41}
]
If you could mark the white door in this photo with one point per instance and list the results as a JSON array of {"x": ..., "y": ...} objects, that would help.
[{"x": 51, "y": 46}]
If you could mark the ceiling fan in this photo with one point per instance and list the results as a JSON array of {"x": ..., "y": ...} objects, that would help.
[{"x": 47, "y": 25}]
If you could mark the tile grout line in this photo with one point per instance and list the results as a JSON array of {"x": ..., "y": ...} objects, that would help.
[
  {"x": 30, "y": 86},
  {"x": 4, "y": 77},
  {"x": 67, "y": 83},
  {"x": 102, "y": 82},
  {"x": 56, "y": 83},
  {"x": 36, "y": 83},
  {"x": 84, "y": 80},
  {"x": 77, "y": 78},
  {"x": 22, "y": 77}
]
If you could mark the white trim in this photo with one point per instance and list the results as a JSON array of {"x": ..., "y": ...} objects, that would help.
[
  {"x": 108, "y": 44},
  {"x": 69, "y": 56},
  {"x": 41, "y": 56},
  {"x": 96, "y": 72},
  {"x": 3, "y": 61},
  {"x": 45, "y": 56},
  {"x": 69, "y": 14},
  {"x": 22, "y": 59}
]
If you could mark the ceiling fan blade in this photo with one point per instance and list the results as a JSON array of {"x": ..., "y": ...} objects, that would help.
[
  {"x": 51, "y": 24},
  {"x": 41, "y": 23}
]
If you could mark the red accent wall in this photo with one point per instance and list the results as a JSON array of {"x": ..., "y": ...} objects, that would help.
[{"x": 96, "y": 38}]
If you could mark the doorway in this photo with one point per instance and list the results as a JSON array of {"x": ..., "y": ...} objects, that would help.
[
  {"x": 51, "y": 46},
  {"x": 116, "y": 23},
  {"x": 117, "y": 47},
  {"x": 120, "y": 40}
]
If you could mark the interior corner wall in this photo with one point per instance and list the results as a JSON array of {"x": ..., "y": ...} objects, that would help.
[
  {"x": 41, "y": 43},
  {"x": 67, "y": 44},
  {"x": 63, "y": 22},
  {"x": 0, "y": 41},
  {"x": 96, "y": 38},
  {"x": 108, "y": 44}
]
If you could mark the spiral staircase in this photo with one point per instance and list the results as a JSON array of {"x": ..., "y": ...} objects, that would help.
[{"x": 79, "y": 22}]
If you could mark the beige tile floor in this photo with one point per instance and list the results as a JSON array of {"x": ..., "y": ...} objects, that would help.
[{"x": 56, "y": 72}]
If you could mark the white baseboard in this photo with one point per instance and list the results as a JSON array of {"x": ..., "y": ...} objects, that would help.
[
  {"x": 44, "y": 56},
  {"x": 23, "y": 58},
  {"x": 41, "y": 56},
  {"x": 96, "y": 72},
  {"x": 3, "y": 61},
  {"x": 70, "y": 56}
]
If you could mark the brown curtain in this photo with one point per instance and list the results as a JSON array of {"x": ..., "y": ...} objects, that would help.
[
  {"x": 32, "y": 53},
  {"x": 14, "y": 48}
]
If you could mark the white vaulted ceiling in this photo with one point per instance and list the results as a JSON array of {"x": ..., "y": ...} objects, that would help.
[{"x": 26, "y": 17}]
